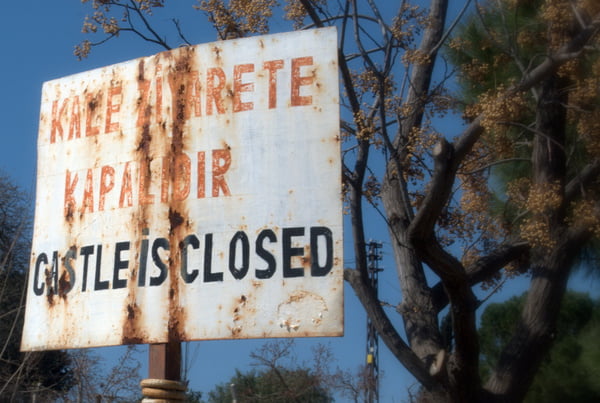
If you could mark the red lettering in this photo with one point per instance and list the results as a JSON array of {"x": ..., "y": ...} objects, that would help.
[
  {"x": 125, "y": 199},
  {"x": 143, "y": 103},
  {"x": 175, "y": 182},
  {"x": 164, "y": 185},
  {"x": 93, "y": 103},
  {"x": 221, "y": 160},
  {"x": 214, "y": 91},
  {"x": 88, "y": 193},
  {"x": 112, "y": 107},
  {"x": 69, "y": 190},
  {"x": 201, "y": 192},
  {"x": 178, "y": 98},
  {"x": 56, "y": 125},
  {"x": 186, "y": 97},
  {"x": 299, "y": 81},
  {"x": 239, "y": 87},
  {"x": 144, "y": 110},
  {"x": 107, "y": 182},
  {"x": 75, "y": 124},
  {"x": 193, "y": 95},
  {"x": 182, "y": 178},
  {"x": 145, "y": 175},
  {"x": 272, "y": 66}
]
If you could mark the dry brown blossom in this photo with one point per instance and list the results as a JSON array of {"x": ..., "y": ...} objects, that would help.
[
  {"x": 295, "y": 11},
  {"x": 238, "y": 18}
]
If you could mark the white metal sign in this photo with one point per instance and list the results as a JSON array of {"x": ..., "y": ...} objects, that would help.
[{"x": 190, "y": 195}]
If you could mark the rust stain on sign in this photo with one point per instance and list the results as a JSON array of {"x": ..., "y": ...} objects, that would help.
[{"x": 193, "y": 194}]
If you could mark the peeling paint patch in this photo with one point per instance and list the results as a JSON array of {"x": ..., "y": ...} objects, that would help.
[{"x": 302, "y": 307}]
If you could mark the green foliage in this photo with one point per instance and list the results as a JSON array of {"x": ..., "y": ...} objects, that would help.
[
  {"x": 276, "y": 385},
  {"x": 571, "y": 371},
  {"x": 494, "y": 49},
  {"x": 487, "y": 51},
  {"x": 497, "y": 324},
  {"x": 491, "y": 43},
  {"x": 193, "y": 396},
  {"x": 281, "y": 379}
]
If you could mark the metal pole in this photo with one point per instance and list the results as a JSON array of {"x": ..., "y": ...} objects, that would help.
[
  {"x": 165, "y": 361},
  {"x": 164, "y": 371},
  {"x": 372, "y": 393}
]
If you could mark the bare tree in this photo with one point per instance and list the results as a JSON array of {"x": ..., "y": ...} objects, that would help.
[
  {"x": 22, "y": 375},
  {"x": 91, "y": 380},
  {"x": 279, "y": 375}
]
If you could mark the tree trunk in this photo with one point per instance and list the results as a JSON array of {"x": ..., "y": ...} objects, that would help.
[
  {"x": 418, "y": 311},
  {"x": 550, "y": 263},
  {"x": 533, "y": 337}
]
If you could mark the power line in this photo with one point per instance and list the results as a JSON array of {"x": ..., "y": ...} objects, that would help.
[{"x": 374, "y": 256}]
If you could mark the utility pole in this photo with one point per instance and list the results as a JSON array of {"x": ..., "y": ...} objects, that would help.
[{"x": 374, "y": 256}]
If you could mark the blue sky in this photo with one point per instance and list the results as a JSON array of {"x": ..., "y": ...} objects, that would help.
[{"x": 37, "y": 38}]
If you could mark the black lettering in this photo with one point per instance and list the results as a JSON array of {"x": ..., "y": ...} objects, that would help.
[
  {"x": 85, "y": 251},
  {"x": 208, "y": 275},
  {"x": 162, "y": 276},
  {"x": 143, "y": 259},
  {"x": 98, "y": 284},
  {"x": 65, "y": 288},
  {"x": 239, "y": 273},
  {"x": 38, "y": 288},
  {"x": 315, "y": 269},
  {"x": 195, "y": 243},
  {"x": 120, "y": 265},
  {"x": 289, "y": 252},
  {"x": 52, "y": 276},
  {"x": 265, "y": 254}
]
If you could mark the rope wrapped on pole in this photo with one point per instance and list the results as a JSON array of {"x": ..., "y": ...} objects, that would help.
[{"x": 162, "y": 391}]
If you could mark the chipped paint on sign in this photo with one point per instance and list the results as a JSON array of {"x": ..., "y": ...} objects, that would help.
[{"x": 194, "y": 194}]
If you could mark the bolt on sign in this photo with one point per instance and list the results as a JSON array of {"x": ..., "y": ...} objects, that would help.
[{"x": 191, "y": 195}]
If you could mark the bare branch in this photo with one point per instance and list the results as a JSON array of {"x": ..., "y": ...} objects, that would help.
[
  {"x": 387, "y": 331},
  {"x": 180, "y": 33},
  {"x": 588, "y": 174},
  {"x": 483, "y": 269}
]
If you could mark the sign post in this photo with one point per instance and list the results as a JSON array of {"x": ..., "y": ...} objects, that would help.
[
  {"x": 164, "y": 372},
  {"x": 191, "y": 195},
  {"x": 164, "y": 361}
]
